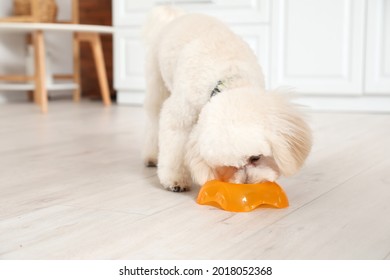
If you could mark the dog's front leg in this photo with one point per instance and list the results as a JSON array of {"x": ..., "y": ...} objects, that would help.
[{"x": 176, "y": 123}]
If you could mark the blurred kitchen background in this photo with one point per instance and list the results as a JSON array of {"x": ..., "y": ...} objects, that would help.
[{"x": 334, "y": 53}]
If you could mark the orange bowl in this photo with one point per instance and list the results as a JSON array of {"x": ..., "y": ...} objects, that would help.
[{"x": 241, "y": 197}]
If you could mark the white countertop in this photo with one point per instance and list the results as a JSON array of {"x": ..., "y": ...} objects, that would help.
[{"x": 25, "y": 27}]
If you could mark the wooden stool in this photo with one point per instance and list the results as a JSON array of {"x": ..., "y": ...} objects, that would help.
[{"x": 40, "y": 91}]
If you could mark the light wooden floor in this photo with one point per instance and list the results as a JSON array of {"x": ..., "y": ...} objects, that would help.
[{"x": 72, "y": 186}]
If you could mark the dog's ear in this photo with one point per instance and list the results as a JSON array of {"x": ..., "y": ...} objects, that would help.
[{"x": 290, "y": 138}]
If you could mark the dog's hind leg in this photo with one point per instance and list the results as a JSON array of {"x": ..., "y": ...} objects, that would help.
[
  {"x": 156, "y": 94},
  {"x": 176, "y": 123}
]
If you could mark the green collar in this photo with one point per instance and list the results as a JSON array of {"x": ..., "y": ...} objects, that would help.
[
  {"x": 218, "y": 88},
  {"x": 224, "y": 84}
]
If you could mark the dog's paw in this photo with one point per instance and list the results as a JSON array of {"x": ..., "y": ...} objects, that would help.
[
  {"x": 174, "y": 180},
  {"x": 177, "y": 188}
]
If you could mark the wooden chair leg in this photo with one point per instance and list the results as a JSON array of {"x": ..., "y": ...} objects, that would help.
[
  {"x": 30, "y": 93},
  {"x": 40, "y": 93},
  {"x": 97, "y": 50},
  {"x": 76, "y": 68}
]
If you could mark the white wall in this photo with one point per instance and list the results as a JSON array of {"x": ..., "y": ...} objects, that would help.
[{"x": 13, "y": 49}]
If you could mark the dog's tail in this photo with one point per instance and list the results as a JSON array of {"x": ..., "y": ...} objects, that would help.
[{"x": 157, "y": 19}]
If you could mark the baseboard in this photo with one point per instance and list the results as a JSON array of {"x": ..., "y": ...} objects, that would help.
[
  {"x": 369, "y": 104},
  {"x": 130, "y": 97}
]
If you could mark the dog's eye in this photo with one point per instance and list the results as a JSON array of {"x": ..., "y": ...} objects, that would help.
[{"x": 254, "y": 159}]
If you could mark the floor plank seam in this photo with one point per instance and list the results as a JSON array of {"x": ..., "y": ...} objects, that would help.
[
  {"x": 103, "y": 210},
  {"x": 142, "y": 215}
]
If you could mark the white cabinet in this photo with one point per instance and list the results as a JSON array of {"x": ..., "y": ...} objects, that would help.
[
  {"x": 248, "y": 18},
  {"x": 129, "y": 73},
  {"x": 378, "y": 47},
  {"x": 334, "y": 53},
  {"x": 133, "y": 12},
  {"x": 318, "y": 45}
]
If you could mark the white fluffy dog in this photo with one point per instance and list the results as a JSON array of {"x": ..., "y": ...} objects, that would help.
[{"x": 209, "y": 116}]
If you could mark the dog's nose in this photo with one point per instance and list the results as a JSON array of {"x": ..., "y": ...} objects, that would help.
[{"x": 254, "y": 159}]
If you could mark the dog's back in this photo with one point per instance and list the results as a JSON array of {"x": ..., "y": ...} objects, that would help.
[{"x": 202, "y": 41}]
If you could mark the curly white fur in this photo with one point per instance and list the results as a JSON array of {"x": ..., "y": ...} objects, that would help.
[{"x": 242, "y": 134}]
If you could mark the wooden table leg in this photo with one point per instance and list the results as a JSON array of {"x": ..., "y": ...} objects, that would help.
[
  {"x": 97, "y": 49},
  {"x": 30, "y": 93},
  {"x": 76, "y": 68},
  {"x": 40, "y": 92}
]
